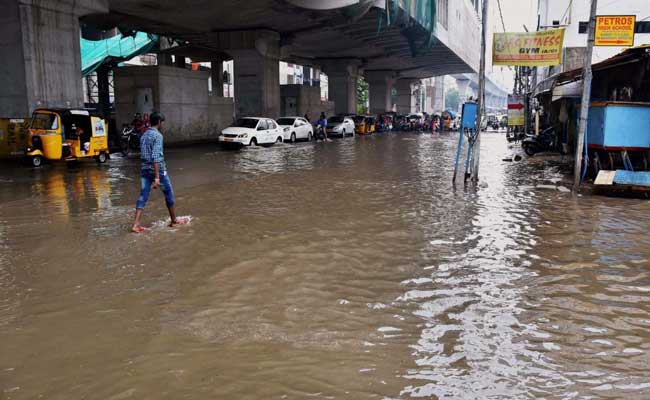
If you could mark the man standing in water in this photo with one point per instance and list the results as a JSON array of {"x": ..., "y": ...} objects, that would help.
[{"x": 153, "y": 173}]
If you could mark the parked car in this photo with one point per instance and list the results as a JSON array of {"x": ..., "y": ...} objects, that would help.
[
  {"x": 295, "y": 128},
  {"x": 339, "y": 125},
  {"x": 251, "y": 132}
]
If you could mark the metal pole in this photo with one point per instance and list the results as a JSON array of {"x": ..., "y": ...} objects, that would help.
[
  {"x": 481, "y": 92},
  {"x": 586, "y": 97}
]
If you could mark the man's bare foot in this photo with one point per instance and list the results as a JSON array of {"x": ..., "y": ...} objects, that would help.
[
  {"x": 138, "y": 229},
  {"x": 179, "y": 221}
]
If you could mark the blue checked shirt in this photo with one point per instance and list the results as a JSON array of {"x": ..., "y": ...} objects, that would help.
[{"x": 151, "y": 150}]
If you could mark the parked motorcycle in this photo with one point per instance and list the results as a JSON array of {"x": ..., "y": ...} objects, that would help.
[
  {"x": 547, "y": 140},
  {"x": 129, "y": 141}
]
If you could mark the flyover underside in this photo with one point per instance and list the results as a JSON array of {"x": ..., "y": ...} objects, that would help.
[{"x": 305, "y": 36}]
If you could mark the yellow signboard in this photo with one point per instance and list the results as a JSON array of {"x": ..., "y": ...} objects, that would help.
[
  {"x": 615, "y": 30},
  {"x": 530, "y": 49}
]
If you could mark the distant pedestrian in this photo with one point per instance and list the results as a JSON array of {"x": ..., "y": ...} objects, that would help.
[
  {"x": 307, "y": 118},
  {"x": 153, "y": 172}
]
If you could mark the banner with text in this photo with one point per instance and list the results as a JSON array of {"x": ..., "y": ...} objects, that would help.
[
  {"x": 615, "y": 30},
  {"x": 531, "y": 49}
]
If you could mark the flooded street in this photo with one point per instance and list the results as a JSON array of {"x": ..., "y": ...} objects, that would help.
[{"x": 343, "y": 270}]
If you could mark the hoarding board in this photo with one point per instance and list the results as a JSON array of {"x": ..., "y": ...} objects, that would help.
[
  {"x": 528, "y": 49},
  {"x": 615, "y": 30}
]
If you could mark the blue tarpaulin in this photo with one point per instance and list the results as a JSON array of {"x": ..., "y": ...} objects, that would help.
[{"x": 114, "y": 50}]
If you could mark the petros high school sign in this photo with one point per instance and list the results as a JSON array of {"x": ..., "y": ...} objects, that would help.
[
  {"x": 615, "y": 30},
  {"x": 530, "y": 49}
]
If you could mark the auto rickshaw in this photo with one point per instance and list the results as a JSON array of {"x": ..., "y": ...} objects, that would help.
[
  {"x": 365, "y": 124},
  {"x": 66, "y": 134}
]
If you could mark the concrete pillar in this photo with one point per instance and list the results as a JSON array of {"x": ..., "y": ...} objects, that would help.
[
  {"x": 103, "y": 91},
  {"x": 257, "y": 84},
  {"x": 165, "y": 59},
  {"x": 216, "y": 73},
  {"x": 381, "y": 87},
  {"x": 39, "y": 49},
  {"x": 342, "y": 84},
  {"x": 404, "y": 95},
  {"x": 464, "y": 91},
  {"x": 438, "y": 105},
  {"x": 180, "y": 62}
]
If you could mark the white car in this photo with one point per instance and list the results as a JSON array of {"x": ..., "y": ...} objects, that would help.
[
  {"x": 251, "y": 132},
  {"x": 295, "y": 128},
  {"x": 339, "y": 125}
]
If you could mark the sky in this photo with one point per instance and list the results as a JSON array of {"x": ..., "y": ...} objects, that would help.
[{"x": 516, "y": 13}]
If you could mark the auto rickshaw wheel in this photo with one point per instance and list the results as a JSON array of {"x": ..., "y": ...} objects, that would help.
[
  {"x": 101, "y": 158},
  {"x": 37, "y": 161}
]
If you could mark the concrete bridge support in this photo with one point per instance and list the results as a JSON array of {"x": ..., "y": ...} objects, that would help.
[
  {"x": 39, "y": 49},
  {"x": 381, "y": 87},
  {"x": 342, "y": 80},
  {"x": 404, "y": 95},
  {"x": 256, "y": 56}
]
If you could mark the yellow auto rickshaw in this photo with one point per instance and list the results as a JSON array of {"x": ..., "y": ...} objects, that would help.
[
  {"x": 365, "y": 124},
  {"x": 66, "y": 134}
]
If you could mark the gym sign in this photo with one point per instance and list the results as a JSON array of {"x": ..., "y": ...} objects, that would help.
[{"x": 529, "y": 49}]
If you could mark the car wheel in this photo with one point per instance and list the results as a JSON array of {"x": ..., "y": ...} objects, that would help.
[
  {"x": 37, "y": 161},
  {"x": 293, "y": 138},
  {"x": 310, "y": 136},
  {"x": 529, "y": 150},
  {"x": 253, "y": 142},
  {"x": 101, "y": 158},
  {"x": 343, "y": 133},
  {"x": 279, "y": 139}
]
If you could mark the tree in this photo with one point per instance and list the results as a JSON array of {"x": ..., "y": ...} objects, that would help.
[
  {"x": 452, "y": 99},
  {"x": 362, "y": 96}
]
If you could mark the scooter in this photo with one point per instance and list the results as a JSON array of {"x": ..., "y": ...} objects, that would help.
[
  {"x": 130, "y": 140},
  {"x": 545, "y": 141}
]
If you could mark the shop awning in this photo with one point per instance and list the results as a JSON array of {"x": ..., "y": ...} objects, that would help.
[{"x": 628, "y": 56}]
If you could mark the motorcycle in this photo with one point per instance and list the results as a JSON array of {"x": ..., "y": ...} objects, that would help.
[
  {"x": 129, "y": 141},
  {"x": 320, "y": 133},
  {"x": 547, "y": 140}
]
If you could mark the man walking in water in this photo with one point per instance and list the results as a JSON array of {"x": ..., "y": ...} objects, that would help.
[{"x": 153, "y": 172}]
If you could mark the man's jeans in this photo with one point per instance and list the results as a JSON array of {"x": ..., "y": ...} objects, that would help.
[{"x": 146, "y": 179}]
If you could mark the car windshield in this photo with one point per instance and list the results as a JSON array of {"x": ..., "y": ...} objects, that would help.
[
  {"x": 44, "y": 121},
  {"x": 286, "y": 121},
  {"x": 245, "y": 123},
  {"x": 336, "y": 120}
]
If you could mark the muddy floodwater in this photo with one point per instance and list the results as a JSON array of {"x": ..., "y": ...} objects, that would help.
[{"x": 343, "y": 270}]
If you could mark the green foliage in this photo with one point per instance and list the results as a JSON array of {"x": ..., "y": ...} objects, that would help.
[
  {"x": 452, "y": 99},
  {"x": 363, "y": 94}
]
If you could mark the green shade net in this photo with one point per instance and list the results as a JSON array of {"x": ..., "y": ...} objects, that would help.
[
  {"x": 114, "y": 50},
  {"x": 421, "y": 11}
]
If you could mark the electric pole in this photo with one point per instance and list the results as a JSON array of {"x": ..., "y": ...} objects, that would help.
[
  {"x": 481, "y": 93},
  {"x": 586, "y": 97}
]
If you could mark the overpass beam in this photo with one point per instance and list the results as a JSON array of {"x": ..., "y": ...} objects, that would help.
[
  {"x": 342, "y": 78},
  {"x": 41, "y": 58},
  {"x": 381, "y": 87},
  {"x": 404, "y": 95}
]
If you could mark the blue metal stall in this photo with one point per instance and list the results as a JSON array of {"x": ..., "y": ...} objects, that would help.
[{"x": 617, "y": 126}]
